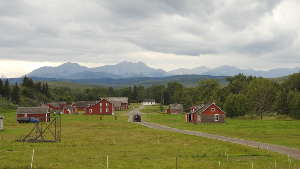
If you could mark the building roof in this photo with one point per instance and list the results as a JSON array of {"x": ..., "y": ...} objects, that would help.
[
  {"x": 37, "y": 110},
  {"x": 201, "y": 108},
  {"x": 57, "y": 104},
  {"x": 119, "y": 99},
  {"x": 176, "y": 106},
  {"x": 116, "y": 103},
  {"x": 84, "y": 103},
  {"x": 1, "y": 117},
  {"x": 149, "y": 100}
]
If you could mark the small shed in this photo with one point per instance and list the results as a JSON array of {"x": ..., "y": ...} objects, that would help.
[
  {"x": 175, "y": 109},
  {"x": 26, "y": 114},
  {"x": 1, "y": 123},
  {"x": 209, "y": 113}
]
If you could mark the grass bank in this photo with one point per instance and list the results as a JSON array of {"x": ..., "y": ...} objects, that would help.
[
  {"x": 87, "y": 141},
  {"x": 274, "y": 131}
]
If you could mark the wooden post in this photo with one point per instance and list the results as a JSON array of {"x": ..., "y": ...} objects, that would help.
[
  {"x": 219, "y": 164},
  {"x": 32, "y": 157},
  {"x": 252, "y": 165},
  {"x": 176, "y": 162},
  {"x": 107, "y": 162},
  {"x": 275, "y": 164}
]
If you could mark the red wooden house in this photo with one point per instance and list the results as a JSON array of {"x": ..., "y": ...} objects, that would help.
[
  {"x": 81, "y": 106},
  {"x": 24, "y": 114},
  {"x": 210, "y": 113},
  {"x": 103, "y": 107}
]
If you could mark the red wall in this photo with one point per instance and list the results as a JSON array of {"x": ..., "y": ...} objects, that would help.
[
  {"x": 41, "y": 116},
  {"x": 95, "y": 109},
  {"x": 209, "y": 111}
]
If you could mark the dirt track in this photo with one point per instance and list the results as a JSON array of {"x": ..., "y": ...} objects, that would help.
[{"x": 292, "y": 152}]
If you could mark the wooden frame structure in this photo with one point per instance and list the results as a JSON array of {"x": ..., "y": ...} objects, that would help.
[{"x": 45, "y": 132}]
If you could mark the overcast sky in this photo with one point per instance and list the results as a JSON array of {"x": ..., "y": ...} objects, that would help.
[{"x": 167, "y": 34}]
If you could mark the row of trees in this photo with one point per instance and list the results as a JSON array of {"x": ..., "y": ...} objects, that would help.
[
  {"x": 10, "y": 93},
  {"x": 242, "y": 95},
  {"x": 28, "y": 93}
]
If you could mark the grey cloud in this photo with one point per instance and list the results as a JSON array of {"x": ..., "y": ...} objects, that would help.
[{"x": 109, "y": 30}]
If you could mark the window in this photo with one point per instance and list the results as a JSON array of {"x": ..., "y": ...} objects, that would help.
[
  {"x": 213, "y": 109},
  {"x": 217, "y": 117},
  {"x": 106, "y": 109},
  {"x": 91, "y": 110}
]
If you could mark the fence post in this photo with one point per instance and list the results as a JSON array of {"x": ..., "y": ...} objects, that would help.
[
  {"x": 107, "y": 162},
  {"x": 176, "y": 162},
  {"x": 32, "y": 157}
]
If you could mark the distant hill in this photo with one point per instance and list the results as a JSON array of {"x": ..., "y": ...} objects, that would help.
[
  {"x": 231, "y": 71},
  {"x": 186, "y": 80},
  {"x": 125, "y": 69},
  {"x": 76, "y": 71}
]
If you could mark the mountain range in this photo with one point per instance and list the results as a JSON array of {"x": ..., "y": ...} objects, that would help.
[{"x": 123, "y": 70}]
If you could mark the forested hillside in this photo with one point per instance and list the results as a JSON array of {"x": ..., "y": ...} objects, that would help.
[{"x": 243, "y": 95}]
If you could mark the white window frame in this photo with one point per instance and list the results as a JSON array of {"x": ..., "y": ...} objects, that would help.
[
  {"x": 91, "y": 110},
  {"x": 216, "y": 117}
]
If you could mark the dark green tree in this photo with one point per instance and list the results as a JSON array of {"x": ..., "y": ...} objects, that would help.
[
  {"x": 15, "y": 94},
  {"x": 293, "y": 82},
  {"x": 261, "y": 94},
  {"x": 1, "y": 87},
  {"x": 208, "y": 91},
  {"x": 6, "y": 90},
  {"x": 236, "y": 105},
  {"x": 294, "y": 104}
]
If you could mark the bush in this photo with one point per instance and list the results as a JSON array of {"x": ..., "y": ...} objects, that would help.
[{"x": 6, "y": 104}]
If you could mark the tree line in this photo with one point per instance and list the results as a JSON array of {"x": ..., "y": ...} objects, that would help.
[{"x": 242, "y": 95}]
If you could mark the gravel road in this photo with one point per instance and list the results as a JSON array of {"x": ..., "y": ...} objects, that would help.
[{"x": 292, "y": 152}]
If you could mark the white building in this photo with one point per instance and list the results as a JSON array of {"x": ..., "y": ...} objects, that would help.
[
  {"x": 1, "y": 123},
  {"x": 149, "y": 102}
]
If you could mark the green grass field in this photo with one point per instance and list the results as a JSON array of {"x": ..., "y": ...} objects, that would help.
[
  {"x": 282, "y": 132},
  {"x": 87, "y": 141}
]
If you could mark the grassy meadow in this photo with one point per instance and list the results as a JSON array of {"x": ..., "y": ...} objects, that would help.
[
  {"x": 275, "y": 131},
  {"x": 87, "y": 141}
]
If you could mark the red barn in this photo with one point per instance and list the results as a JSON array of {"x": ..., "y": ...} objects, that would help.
[
  {"x": 104, "y": 107},
  {"x": 210, "y": 113},
  {"x": 25, "y": 114}
]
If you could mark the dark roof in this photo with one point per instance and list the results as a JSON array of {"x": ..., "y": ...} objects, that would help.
[
  {"x": 1, "y": 117},
  {"x": 37, "y": 110},
  {"x": 85, "y": 103},
  {"x": 57, "y": 104},
  {"x": 149, "y": 100},
  {"x": 176, "y": 106},
  {"x": 116, "y": 103}
]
